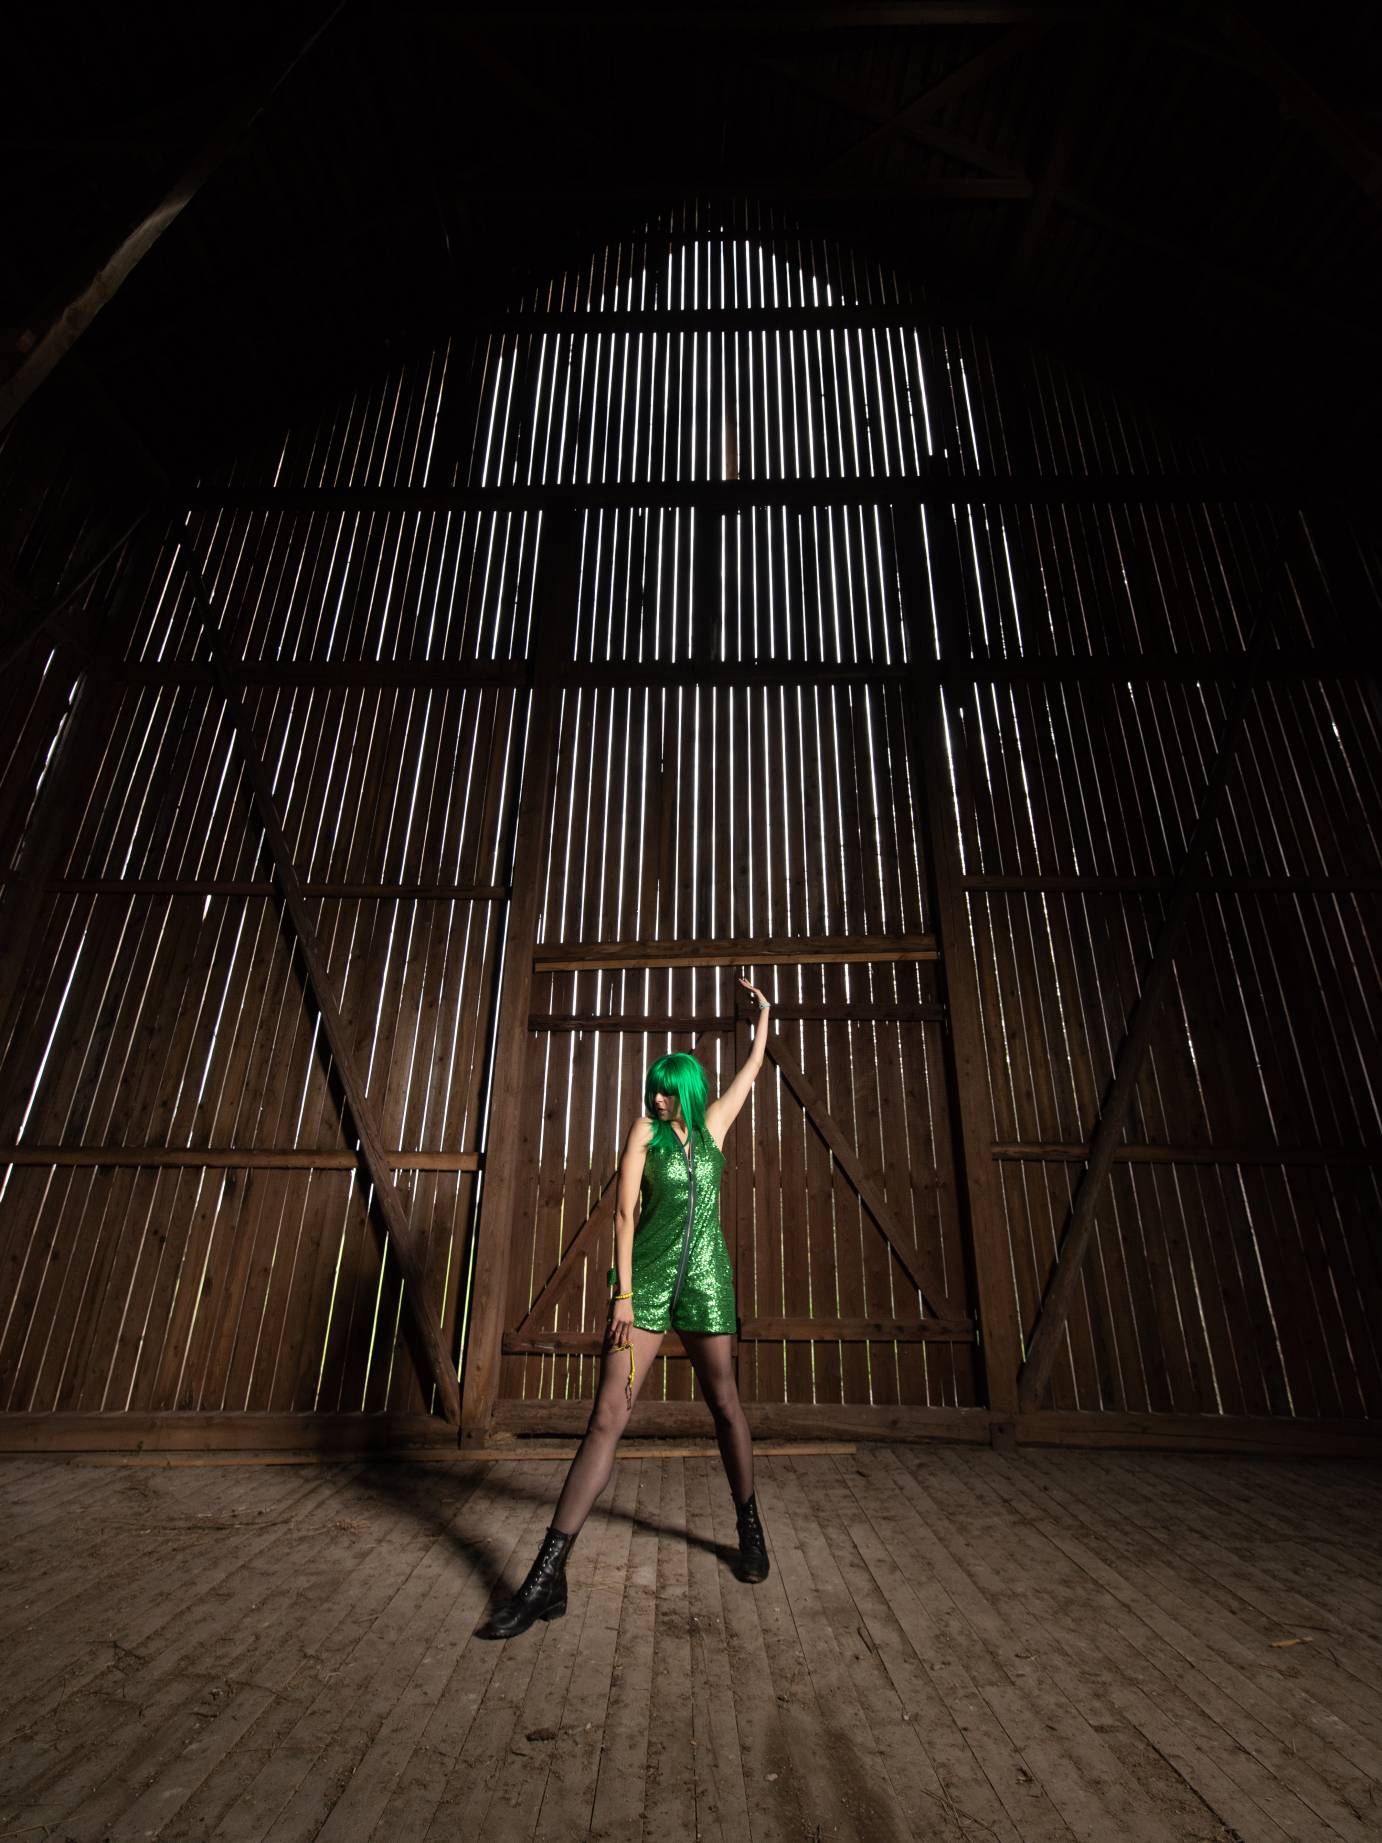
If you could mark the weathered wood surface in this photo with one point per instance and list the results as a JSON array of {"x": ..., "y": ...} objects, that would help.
[
  {"x": 927, "y": 774},
  {"x": 951, "y": 1644}
]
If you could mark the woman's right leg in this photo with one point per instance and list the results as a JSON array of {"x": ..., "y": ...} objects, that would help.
[{"x": 594, "y": 1460}]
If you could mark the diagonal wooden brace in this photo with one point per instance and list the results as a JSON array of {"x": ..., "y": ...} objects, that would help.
[
  {"x": 914, "y": 1266},
  {"x": 1079, "y": 1230},
  {"x": 401, "y": 1238}
]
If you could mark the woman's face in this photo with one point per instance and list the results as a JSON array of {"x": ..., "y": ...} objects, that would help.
[{"x": 665, "y": 1107}]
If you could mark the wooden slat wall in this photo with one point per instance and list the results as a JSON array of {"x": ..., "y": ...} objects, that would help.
[
  {"x": 1248, "y": 1280},
  {"x": 164, "y": 1009},
  {"x": 169, "y": 1013}
]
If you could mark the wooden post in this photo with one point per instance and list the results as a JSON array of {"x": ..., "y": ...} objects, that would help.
[
  {"x": 1079, "y": 1230},
  {"x": 555, "y": 596},
  {"x": 436, "y": 1358},
  {"x": 965, "y": 1049}
]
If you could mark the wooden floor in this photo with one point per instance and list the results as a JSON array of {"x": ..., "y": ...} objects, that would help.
[{"x": 953, "y": 1643}]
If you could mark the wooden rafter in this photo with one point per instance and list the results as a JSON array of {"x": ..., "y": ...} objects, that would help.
[
  {"x": 1074, "y": 107},
  {"x": 41, "y": 347},
  {"x": 912, "y": 117},
  {"x": 1118, "y": 223},
  {"x": 1351, "y": 143}
]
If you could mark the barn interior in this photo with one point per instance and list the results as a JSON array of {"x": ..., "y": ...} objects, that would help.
[{"x": 518, "y": 522}]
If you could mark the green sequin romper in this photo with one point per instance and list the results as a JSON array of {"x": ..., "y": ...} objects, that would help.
[{"x": 682, "y": 1278}]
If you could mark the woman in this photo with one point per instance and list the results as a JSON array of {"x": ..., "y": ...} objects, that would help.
[{"x": 674, "y": 1273}]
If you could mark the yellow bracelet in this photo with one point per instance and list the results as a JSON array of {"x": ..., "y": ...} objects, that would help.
[{"x": 628, "y": 1386}]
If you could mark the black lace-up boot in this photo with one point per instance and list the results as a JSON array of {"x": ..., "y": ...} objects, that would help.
[
  {"x": 753, "y": 1550},
  {"x": 542, "y": 1595}
]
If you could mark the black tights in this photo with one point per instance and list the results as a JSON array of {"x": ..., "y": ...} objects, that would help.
[{"x": 594, "y": 1460}]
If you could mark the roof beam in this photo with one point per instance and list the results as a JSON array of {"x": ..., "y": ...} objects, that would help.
[
  {"x": 774, "y": 21},
  {"x": 1117, "y": 222},
  {"x": 912, "y": 116},
  {"x": 1073, "y": 113},
  {"x": 39, "y": 349},
  {"x": 1339, "y": 134}
]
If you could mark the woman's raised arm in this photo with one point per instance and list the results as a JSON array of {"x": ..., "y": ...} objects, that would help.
[{"x": 722, "y": 1112}]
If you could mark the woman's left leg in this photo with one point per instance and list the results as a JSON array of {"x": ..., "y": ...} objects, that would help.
[{"x": 710, "y": 1359}]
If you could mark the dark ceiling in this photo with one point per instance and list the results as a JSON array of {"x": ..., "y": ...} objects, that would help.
[{"x": 1188, "y": 195}]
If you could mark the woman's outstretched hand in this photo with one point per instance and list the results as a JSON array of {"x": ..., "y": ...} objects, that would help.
[{"x": 762, "y": 997}]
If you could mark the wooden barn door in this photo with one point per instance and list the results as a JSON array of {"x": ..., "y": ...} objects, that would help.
[{"x": 676, "y": 827}]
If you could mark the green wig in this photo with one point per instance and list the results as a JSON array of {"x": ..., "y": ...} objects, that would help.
[{"x": 681, "y": 1078}]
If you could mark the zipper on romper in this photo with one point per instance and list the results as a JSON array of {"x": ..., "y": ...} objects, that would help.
[{"x": 686, "y": 1235}]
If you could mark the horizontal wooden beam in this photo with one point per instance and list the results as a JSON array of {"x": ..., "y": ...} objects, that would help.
[
  {"x": 745, "y": 21},
  {"x": 1156, "y": 886},
  {"x": 260, "y": 1158},
  {"x": 187, "y": 1431},
  {"x": 1033, "y": 1152},
  {"x": 719, "y": 1020},
  {"x": 186, "y": 1435},
  {"x": 594, "y": 186},
  {"x": 939, "y": 485},
  {"x": 229, "y": 1158},
  {"x": 447, "y": 674},
  {"x": 739, "y": 950},
  {"x": 499, "y": 892},
  {"x": 977, "y": 1426},
  {"x": 858, "y": 1330},
  {"x": 1200, "y": 1433},
  {"x": 846, "y": 317},
  {"x": 766, "y": 1330},
  {"x": 329, "y": 892},
  {"x": 767, "y": 1420}
]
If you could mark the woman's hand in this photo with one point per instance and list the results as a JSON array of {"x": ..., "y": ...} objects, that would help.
[
  {"x": 762, "y": 997},
  {"x": 621, "y": 1325}
]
